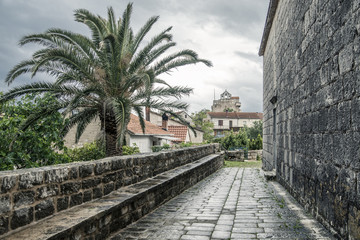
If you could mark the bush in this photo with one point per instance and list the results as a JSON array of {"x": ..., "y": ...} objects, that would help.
[
  {"x": 256, "y": 144},
  {"x": 184, "y": 145},
  {"x": 158, "y": 148},
  {"x": 35, "y": 146},
  {"x": 235, "y": 140},
  {"x": 90, "y": 151},
  {"x": 128, "y": 150}
]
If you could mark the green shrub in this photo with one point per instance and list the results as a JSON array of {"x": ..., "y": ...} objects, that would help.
[
  {"x": 166, "y": 146},
  {"x": 256, "y": 144},
  {"x": 158, "y": 148},
  {"x": 235, "y": 140},
  {"x": 184, "y": 145},
  {"x": 35, "y": 146},
  {"x": 128, "y": 150},
  {"x": 90, "y": 151}
]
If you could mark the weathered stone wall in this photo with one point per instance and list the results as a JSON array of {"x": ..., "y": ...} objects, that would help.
[
  {"x": 312, "y": 65},
  {"x": 252, "y": 154},
  {"x": 32, "y": 194}
]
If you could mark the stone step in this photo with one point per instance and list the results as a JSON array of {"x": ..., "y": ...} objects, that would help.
[{"x": 101, "y": 217}]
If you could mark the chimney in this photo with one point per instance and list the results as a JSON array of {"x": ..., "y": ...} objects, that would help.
[
  {"x": 164, "y": 124},
  {"x": 147, "y": 114}
]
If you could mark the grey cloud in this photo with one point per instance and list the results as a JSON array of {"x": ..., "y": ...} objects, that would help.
[{"x": 249, "y": 56}]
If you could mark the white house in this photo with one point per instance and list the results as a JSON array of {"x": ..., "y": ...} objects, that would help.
[{"x": 226, "y": 121}]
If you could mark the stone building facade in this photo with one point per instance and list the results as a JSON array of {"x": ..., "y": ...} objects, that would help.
[
  {"x": 226, "y": 102},
  {"x": 311, "y": 51}
]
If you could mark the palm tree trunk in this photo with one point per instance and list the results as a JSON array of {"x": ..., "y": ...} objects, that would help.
[{"x": 111, "y": 146}]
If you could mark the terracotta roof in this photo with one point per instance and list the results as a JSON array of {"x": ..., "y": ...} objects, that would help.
[
  {"x": 237, "y": 115},
  {"x": 150, "y": 129},
  {"x": 234, "y": 98},
  {"x": 179, "y": 132}
]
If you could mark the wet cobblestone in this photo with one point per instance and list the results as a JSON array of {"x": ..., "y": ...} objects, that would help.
[{"x": 233, "y": 203}]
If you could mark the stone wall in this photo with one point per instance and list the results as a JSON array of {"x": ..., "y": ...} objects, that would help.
[
  {"x": 32, "y": 194},
  {"x": 252, "y": 154},
  {"x": 311, "y": 83}
]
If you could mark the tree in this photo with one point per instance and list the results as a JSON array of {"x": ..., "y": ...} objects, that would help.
[
  {"x": 37, "y": 144},
  {"x": 206, "y": 126},
  {"x": 255, "y": 130},
  {"x": 107, "y": 76},
  {"x": 235, "y": 140}
]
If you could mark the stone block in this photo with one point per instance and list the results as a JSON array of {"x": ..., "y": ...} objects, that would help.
[
  {"x": 4, "y": 204},
  {"x": 86, "y": 170},
  {"x": 102, "y": 167},
  {"x": 76, "y": 199},
  {"x": 30, "y": 179},
  {"x": 90, "y": 183},
  {"x": 44, "y": 209},
  {"x": 87, "y": 196},
  {"x": 8, "y": 183},
  {"x": 47, "y": 191},
  {"x": 23, "y": 198},
  {"x": 108, "y": 188},
  {"x": 70, "y": 187},
  {"x": 62, "y": 203},
  {"x": 56, "y": 175},
  {"x": 4, "y": 224},
  {"x": 97, "y": 192},
  {"x": 22, "y": 217}
]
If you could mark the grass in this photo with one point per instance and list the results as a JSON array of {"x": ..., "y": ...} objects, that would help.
[{"x": 250, "y": 164}]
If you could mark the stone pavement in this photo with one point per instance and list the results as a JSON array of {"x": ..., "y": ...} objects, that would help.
[{"x": 233, "y": 203}]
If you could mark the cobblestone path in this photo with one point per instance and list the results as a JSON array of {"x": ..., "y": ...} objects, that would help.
[{"x": 233, "y": 203}]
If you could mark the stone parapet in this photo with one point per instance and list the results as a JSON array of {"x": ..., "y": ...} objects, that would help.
[{"x": 30, "y": 195}]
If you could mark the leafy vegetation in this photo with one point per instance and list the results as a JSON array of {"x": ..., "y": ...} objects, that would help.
[
  {"x": 255, "y": 144},
  {"x": 130, "y": 150},
  {"x": 107, "y": 76},
  {"x": 90, "y": 151},
  {"x": 206, "y": 126},
  {"x": 255, "y": 130},
  {"x": 37, "y": 145},
  {"x": 235, "y": 140}
]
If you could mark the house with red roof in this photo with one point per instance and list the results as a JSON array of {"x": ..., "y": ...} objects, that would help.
[
  {"x": 181, "y": 131},
  {"x": 153, "y": 136},
  {"x": 227, "y": 121}
]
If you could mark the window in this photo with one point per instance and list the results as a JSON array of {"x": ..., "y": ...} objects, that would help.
[
  {"x": 220, "y": 123},
  {"x": 230, "y": 124},
  {"x": 185, "y": 116}
]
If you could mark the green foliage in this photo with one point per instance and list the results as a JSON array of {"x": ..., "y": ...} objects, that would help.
[
  {"x": 90, "y": 151},
  {"x": 37, "y": 145},
  {"x": 228, "y": 110},
  {"x": 184, "y": 145},
  {"x": 235, "y": 140},
  {"x": 128, "y": 150},
  {"x": 256, "y": 144},
  {"x": 255, "y": 130},
  {"x": 166, "y": 146},
  {"x": 206, "y": 126},
  {"x": 158, "y": 148}
]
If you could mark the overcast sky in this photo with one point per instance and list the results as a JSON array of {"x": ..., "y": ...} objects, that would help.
[{"x": 228, "y": 33}]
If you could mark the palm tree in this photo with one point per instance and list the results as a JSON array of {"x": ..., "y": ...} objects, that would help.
[{"x": 106, "y": 76}]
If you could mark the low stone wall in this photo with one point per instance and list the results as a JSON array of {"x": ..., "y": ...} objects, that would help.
[
  {"x": 252, "y": 154},
  {"x": 32, "y": 194},
  {"x": 236, "y": 155}
]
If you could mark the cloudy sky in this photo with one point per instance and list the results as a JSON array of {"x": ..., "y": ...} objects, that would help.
[{"x": 228, "y": 33}]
